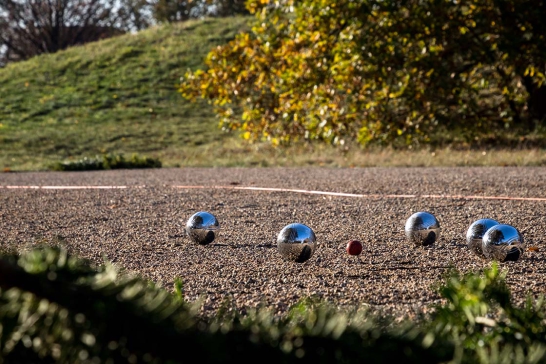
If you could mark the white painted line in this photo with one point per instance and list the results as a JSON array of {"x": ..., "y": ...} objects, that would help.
[
  {"x": 66, "y": 187},
  {"x": 272, "y": 189}
]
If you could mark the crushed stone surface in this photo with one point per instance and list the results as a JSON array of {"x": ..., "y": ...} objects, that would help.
[{"x": 141, "y": 228}]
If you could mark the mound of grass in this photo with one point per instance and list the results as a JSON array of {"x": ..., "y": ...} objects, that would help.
[
  {"x": 107, "y": 161},
  {"x": 118, "y": 95}
]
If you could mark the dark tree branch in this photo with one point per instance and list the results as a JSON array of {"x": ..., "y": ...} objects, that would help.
[{"x": 31, "y": 27}]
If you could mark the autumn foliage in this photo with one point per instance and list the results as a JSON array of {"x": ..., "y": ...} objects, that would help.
[{"x": 387, "y": 72}]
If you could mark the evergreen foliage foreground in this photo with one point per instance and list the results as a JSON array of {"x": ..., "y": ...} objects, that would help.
[{"x": 55, "y": 307}]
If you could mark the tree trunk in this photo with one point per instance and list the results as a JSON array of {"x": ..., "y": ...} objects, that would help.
[{"x": 536, "y": 102}]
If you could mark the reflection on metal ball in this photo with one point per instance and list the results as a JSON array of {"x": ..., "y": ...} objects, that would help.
[
  {"x": 503, "y": 243},
  {"x": 422, "y": 228},
  {"x": 296, "y": 242},
  {"x": 475, "y": 233},
  {"x": 202, "y": 228}
]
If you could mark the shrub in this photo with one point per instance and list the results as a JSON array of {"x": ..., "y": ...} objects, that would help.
[
  {"x": 107, "y": 161},
  {"x": 376, "y": 71}
]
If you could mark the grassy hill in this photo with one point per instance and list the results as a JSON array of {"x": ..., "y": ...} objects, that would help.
[
  {"x": 120, "y": 96},
  {"x": 114, "y": 96}
]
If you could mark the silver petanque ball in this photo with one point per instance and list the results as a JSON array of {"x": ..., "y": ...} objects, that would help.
[
  {"x": 503, "y": 243},
  {"x": 296, "y": 242},
  {"x": 422, "y": 228},
  {"x": 202, "y": 228},
  {"x": 475, "y": 233}
]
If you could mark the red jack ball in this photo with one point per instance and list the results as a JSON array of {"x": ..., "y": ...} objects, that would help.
[{"x": 354, "y": 247}]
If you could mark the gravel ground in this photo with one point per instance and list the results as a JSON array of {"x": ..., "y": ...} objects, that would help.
[{"x": 141, "y": 228}]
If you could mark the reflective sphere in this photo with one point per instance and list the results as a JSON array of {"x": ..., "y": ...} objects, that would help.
[
  {"x": 202, "y": 227},
  {"x": 296, "y": 242},
  {"x": 503, "y": 243},
  {"x": 475, "y": 233},
  {"x": 422, "y": 228}
]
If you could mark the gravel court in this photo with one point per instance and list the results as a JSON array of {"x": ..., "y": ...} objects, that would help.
[{"x": 141, "y": 228}]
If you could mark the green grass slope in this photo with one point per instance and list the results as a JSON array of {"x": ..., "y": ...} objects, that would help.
[{"x": 114, "y": 96}]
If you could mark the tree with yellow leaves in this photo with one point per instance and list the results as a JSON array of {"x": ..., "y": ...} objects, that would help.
[{"x": 380, "y": 71}]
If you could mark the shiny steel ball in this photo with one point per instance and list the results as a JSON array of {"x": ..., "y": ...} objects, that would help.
[
  {"x": 202, "y": 228},
  {"x": 475, "y": 233},
  {"x": 503, "y": 243},
  {"x": 422, "y": 228},
  {"x": 296, "y": 242}
]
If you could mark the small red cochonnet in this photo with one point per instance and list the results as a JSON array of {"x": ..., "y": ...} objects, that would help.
[{"x": 354, "y": 247}]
